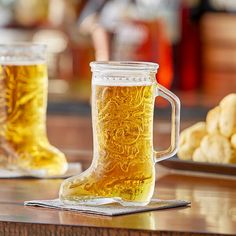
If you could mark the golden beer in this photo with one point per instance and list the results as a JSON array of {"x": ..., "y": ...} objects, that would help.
[
  {"x": 122, "y": 130},
  {"x": 23, "y": 138}
]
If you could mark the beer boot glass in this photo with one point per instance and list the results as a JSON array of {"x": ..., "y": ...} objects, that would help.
[
  {"x": 123, "y": 167},
  {"x": 23, "y": 101}
]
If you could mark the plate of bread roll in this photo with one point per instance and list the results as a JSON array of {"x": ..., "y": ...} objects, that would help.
[{"x": 210, "y": 145}]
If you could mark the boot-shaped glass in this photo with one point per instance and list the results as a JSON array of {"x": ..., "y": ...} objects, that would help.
[
  {"x": 23, "y": 103},
  {"x": 123, "y": 167}
]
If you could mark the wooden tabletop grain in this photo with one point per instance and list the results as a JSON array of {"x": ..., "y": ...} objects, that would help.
[{"x": 212, "y": 212}]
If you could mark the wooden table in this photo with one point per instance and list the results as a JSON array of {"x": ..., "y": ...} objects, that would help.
[{"x": 213, "y": 209}]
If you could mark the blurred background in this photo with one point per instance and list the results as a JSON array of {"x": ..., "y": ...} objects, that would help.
[{"x": 194, "y": 41}]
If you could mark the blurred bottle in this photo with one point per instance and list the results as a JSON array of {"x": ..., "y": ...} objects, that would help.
[
  {"x": 32, "y": 13},
  {"x": 189, "y": 50},
  {"x": 139, "y": 32}
]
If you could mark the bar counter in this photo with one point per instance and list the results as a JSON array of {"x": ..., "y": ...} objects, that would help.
[{"x": 213, "y": 198}]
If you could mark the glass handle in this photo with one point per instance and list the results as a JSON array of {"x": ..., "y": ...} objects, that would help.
[{"x": 175, "y": 120}]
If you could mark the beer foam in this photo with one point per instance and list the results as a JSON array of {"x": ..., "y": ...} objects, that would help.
[
  {"x": 19, "y": 62},
  {"x": 122, "y": 81}
]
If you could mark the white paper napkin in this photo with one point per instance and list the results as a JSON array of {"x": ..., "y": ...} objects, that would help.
[
  {"x": 114, "y": 209},
  {"x": 73, "y": 169}
]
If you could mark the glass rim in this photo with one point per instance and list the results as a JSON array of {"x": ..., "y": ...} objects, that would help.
[
  {"x": 21, "y": 53},
  {"x": 124, "y": 65},
  {"x": 23, "y": 45}
]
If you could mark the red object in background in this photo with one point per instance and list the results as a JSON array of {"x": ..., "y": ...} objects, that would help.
[
  {"x": 82, "y": 56},
  {"x": 156, "y": 47},
  {"x": 189, "y": 61}
]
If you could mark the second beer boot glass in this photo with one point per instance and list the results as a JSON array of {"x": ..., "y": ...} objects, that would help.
[
  {"x": 23, "y": 102},
  {"x": 123, "y": 167}
]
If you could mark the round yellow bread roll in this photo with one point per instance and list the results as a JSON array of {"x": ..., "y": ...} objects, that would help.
[
  {"x": 227, "y": 120},
  {"x": 217, "y": 149},
  {"x": 212, "y": 120},
  {"x": 199, "y": 156},
  {"x": 190, "y": 139}
]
